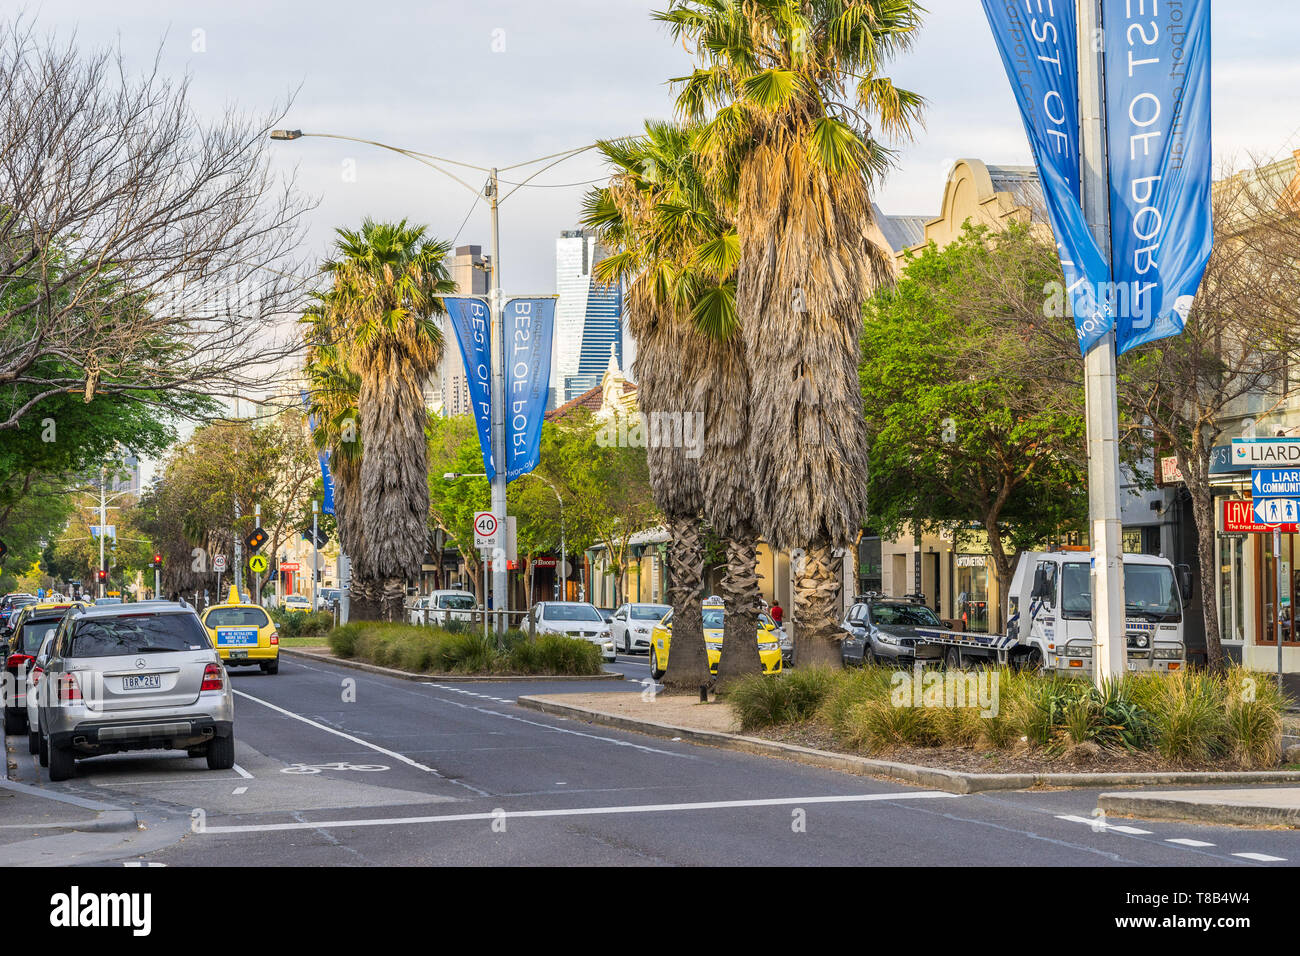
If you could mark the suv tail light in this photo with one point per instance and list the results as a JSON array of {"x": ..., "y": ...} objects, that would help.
[
  {"x": 213, "y": 679},
  {"x": 68, "y": 689},
  {"x": 18, "y": 660}
]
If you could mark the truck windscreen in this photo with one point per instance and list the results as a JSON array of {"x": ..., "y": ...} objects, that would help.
[{"x": 1149, "y": 589}]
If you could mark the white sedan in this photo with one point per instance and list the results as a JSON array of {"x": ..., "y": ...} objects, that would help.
[
  {"x": 633, "y": 623},
  {"x": 574, "y": 619}
]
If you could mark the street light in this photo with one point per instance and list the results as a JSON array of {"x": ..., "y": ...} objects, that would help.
[{"x": 491, "y": 191}]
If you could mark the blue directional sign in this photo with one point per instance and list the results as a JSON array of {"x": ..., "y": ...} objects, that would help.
[
  {"x": 1277, "y": 510},
  {"x": 1275, "y": 483}
]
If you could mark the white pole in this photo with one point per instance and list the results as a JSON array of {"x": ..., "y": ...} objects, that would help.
[
  {"x": 315, "y": 551},
  {"x": 1102, "y": 405},
  {"x": 103, "y": 529},
  {"x": 239, "y": 555},
  {"x": 500, "y": 598}
]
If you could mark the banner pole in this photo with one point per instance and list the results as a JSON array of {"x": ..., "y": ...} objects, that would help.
[
  {"x": 500, "y": 597},
  {"x": 1101, "y": 401}
]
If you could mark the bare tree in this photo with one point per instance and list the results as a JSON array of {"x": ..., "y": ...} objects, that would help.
[
  {"x": 1234, "y": 358},
  {"x": 141, "y": 250}
]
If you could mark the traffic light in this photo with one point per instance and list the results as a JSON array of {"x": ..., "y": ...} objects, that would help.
[
  {"x": 256, "y": 539},
  {"x": 101, "y": 574},
  {"x": 322, "y": 538},
  {"x": 4, "y": 549},
  {"x": 157, "y": 560}
]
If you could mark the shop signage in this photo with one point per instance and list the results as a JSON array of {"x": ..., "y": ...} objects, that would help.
[{"x": 1239, "y": 517}]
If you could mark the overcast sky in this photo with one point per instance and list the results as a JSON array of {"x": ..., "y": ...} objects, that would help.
[{"x": 425, "y": 75}]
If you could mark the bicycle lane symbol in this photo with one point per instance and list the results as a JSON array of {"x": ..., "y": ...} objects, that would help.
[{"x": 303, "y": 768}]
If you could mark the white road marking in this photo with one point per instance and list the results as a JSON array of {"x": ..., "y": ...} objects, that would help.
[
  {"x": 1183, "y": 841},
  {"x": 581, "y": 812},
  {"x": 1099, "y": 823},
  {"x": 243, "y": 773},
  {"x": 1261, "y": 857},
  {"x": 338, "y": 733},
  {"x": 238, "y": 790},
  {"x": 142, "y": 863}
]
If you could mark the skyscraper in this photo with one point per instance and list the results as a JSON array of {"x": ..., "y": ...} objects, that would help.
[
  {"x": 470, "y": 270},
  {"x": 588, "y": 318}
]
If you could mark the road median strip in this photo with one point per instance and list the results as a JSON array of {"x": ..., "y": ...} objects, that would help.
[
  {"x": 950, "y": 781},
  {"x": 1256, "y": 808},
  {"x": 451, "y": 678}
]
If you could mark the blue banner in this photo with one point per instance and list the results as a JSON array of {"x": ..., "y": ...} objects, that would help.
[
  {"x": 470, "y": 320},
  {"x": 1037, "y": 42},
  {"x": 1158, "y": 119},
  {"x": 327, "y": 506},
  {"x": 529, "y": 326}
]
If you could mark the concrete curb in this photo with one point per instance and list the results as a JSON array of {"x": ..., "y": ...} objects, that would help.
[
  {"x": 950, "y": 781},
  {"x": 1187, "y": 811},
  {"x": 447, "y": 678}
]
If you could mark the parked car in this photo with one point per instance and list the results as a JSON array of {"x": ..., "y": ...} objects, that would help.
[
  {"x": 243, "y": 634},
  {"x": 632, "y": 624},
  {"x": 34, "y": 688},
  {"x": 10, "y": 605},
  {"x": 125, "y": 678},
  {"x": 31, "y": 624},
  {"x": 439, "y": 607},
  {"x": 295, "y": 603},
  {"x": 575, "y": 619},
  {"x": 107, "y": 600},
  {"x": 327, "y": 599},
  {"x": 883, "y": 630},
  {"x": 769, "y": 644}
]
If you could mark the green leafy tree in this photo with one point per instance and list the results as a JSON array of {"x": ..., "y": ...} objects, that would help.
[{"x": 970, "y": 420}]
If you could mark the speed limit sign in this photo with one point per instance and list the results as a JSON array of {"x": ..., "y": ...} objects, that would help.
[{"x": 486, "y": 531}]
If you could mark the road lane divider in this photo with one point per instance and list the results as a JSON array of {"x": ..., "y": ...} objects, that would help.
[{"x": 499, "y": 814}]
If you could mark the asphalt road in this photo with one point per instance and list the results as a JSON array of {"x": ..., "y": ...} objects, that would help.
[{"x": 340, "y": 767}]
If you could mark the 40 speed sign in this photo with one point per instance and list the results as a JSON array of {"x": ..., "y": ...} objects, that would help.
[{"x": 487, "y": 531}]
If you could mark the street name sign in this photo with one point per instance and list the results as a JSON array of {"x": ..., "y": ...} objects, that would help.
[
  {"x": 487, "y": 531},
  {"x": 1266, "y": 451},
  {"x": 1239, "y": 518},
  {"x": 1271, "y": 511},
  {"x": 1275, "y": 483}
]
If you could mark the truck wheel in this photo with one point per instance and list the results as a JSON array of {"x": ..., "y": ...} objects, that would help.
[
  {"x": 952, "y": 659},
  {"x": 43, "y": 754},
  {"x": 62, "y": 763},
  {"x": 221, "y": 753}
]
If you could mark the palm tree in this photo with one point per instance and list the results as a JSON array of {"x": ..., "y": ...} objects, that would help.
[
  {"x": 678, "y": 244},
  {"x": 388, "y": 279},
  {"x": 788, "y": 90},
  {"x": 627, "y": 216},
  {"x": 334, "y": 391}
]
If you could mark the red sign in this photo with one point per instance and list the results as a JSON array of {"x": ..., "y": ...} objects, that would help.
[
  {"x": 541, "y": 561},
  {"x": 288, "y": 566},
  {"x": 1239, "y": 517},
  {"x": 1169, "y": 472}
]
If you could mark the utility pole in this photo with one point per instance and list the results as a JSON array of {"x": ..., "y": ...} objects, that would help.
[
  {"x": 315, "y": 552},
  {"x": 257, "y": 578},
  {"x": 500, "y": 575},
  {"x": 103, "y": 529},
  {"x": 1102, "y": 405},
  {"x": 239, "y": 554}
]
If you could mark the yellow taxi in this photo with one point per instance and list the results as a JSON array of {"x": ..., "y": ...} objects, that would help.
[
  {"x": 243, "y": 634},
  {"x": 769, "y": 644}
]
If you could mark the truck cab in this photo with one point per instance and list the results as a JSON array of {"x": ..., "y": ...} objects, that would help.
[{"x": 1050, "y": 612}]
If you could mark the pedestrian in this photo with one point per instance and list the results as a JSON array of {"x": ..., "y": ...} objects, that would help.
[{"x": 776, "y": 614}]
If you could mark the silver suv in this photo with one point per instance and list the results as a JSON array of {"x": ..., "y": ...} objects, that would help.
[{"x": 134, "y": 677}]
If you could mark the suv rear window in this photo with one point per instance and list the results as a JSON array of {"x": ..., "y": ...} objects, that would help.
[
  {"x": 33, "y": 632},
  {"x": 137, "y": 634},
  {"x": 236, "y": 617}
]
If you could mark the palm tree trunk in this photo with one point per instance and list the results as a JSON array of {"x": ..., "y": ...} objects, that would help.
[
  {"x": 688, "y": 661},
  {"x": 363, "y": 603},
  {"x": 740, "y": 595},
  {"x": 816, "y": 608}
]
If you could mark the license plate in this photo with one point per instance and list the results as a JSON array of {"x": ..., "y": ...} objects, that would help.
[
  {"x": 1132, "y": 665},
  {"x": 238, "y": 655},
  {"x": 141, "y": 682}
]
